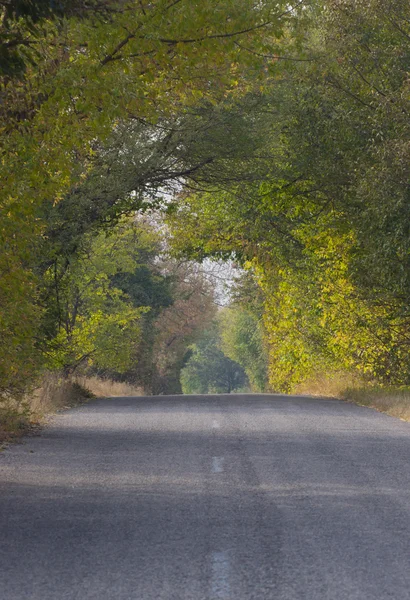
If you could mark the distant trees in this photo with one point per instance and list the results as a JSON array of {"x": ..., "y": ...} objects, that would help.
[
  {"x": 208, "y": 370},
  {"x": 180, "y": 324},
  {"x": 123, "y": 309},
  {"x": 243, "y": 342}
]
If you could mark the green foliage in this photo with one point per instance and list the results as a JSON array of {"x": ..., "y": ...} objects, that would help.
[
  {"x": 19, "y": 314},
  {"x": 283, "y": 137},
  {"x": 242, "y": 332},
  {"x": 180, "y": 324},
  {"x": 71, "y": 74},
  {"x": 208, "y": 370},
  {"x": 99, "y": 323},
  {"x": 327, "y": 231}
]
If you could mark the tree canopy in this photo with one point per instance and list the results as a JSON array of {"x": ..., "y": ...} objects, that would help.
[
  {"x": 326, "y": 233},
  {"x": 273, "y": 134}
]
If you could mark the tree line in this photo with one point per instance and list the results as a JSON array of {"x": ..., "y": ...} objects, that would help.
[
  {"x": 273, "y": 134},
  {"x": 325, "y": 229}
]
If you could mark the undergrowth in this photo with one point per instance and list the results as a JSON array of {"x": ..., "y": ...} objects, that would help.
[
  {"x": 53, "y": 393},
  {"x": 19, "y": 415},
  {"x": 352, "y": 388},
  {"x": 393, "y": 401},
  {"x": 104, "y": 388}
]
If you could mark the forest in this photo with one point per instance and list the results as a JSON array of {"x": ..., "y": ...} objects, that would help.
[{"x": 147, "y": 143}]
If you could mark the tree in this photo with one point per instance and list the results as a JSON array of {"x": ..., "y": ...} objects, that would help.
[
  {"x": 326, "y": 233},
  {"x": 72, "y": 72},
  {"x": 99, "y": 312},
  {"x": 180, "y": 324},
  {"x": 243, "y": 338},
  {"x": 208, "y": 370}
]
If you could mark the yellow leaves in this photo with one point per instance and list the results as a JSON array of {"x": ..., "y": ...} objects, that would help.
[{"x": 101, "y": 323}]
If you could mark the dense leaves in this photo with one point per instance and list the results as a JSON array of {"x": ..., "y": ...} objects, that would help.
[
  {"x": 326, "y": 235},
  {"x": 242, "y": 332},
  {"x": 74, "y": 74},
  {"x": 275, "y": 135}
]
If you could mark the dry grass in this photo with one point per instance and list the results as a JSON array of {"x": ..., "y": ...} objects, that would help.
[
  {"x": 54, "y": 393},
  {"x": 352, "y": 388},
  {"x": 394, "y": 402},
  {"x": 57, "y": 392},
  {"x": 330, "y": 385},
  {"x": 104, "y": 388},
  {"x": 14, "y": 421}
]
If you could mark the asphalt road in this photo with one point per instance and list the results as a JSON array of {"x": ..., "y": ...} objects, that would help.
[{"x": 208, "y": 498}]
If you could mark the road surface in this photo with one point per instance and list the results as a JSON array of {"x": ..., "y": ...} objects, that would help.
[{"x": 208, "y": 498}]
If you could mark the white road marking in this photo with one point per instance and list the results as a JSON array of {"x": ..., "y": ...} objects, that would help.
[
  {"x": 215, "y": 424},
  {"x": 217, "y": 464},
  {"x": 220, "y": 574}
]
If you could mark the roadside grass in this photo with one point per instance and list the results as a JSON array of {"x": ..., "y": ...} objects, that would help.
[
  {"x": 330, "y": 384},
  {"x": 19, "y": 416},
  {"x": 352, "y": 388},
  {"x": 103, "y": 388},
  {"x": 14, "y": 420},
  {"x": 54, "y": 393},
  {"x": 393, "y": 401}
]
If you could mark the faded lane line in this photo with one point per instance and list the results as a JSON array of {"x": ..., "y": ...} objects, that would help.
[
  {"x": 217, "y": 464},
  {"x": 220, "y": 575},
  {"x": 215, "y": 424}
]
